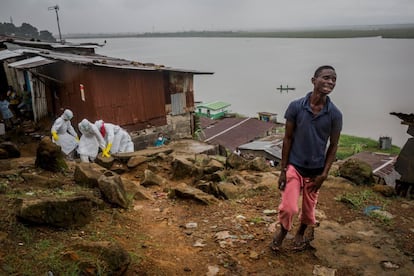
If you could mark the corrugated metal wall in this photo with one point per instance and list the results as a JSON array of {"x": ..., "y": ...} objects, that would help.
[
  {"x": 182, "y": 94},
  {"x": 39, "y": 102},
  {"x": 120, "y": 96}
]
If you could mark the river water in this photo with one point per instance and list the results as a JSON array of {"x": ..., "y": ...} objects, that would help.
[{"x": 375, "y": 75}]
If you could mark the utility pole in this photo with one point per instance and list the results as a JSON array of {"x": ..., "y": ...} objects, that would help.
[{"x": 56, "y": 8}]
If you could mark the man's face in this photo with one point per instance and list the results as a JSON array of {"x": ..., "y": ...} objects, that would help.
[{"x": 325, "y": 82}]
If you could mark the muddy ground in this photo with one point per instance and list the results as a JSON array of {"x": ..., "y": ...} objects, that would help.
[{"x": 171, "y": 236}]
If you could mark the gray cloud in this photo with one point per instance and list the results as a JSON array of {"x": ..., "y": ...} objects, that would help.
[{"x": 80, "y": 16}]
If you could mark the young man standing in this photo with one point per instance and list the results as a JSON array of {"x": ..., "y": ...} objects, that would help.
[{"x": 311, "y": 122}]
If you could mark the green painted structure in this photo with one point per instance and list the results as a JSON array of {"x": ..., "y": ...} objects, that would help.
[{"x": 213, "y": 110}]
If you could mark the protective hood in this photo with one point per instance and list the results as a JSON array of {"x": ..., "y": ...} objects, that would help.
[
  {"x": 67, "y": 115},
  {"x": 84, "y": 125}
]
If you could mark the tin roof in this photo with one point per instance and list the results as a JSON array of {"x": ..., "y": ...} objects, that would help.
[
  {"x": 214, "y": 105},
  {"x": 5, "y": 54},
  {"x": 267, "y": 113},
  {"x": 31, "y": 62},
  {"x": 52, "y": 45},
  {"x": 382, "y": 164},
  {"x": 99, "y": 60},
  {"x": 272, "y": 147},
  {"x": 233, "y": 132}
]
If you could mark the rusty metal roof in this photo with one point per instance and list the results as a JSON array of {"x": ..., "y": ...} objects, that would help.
[
  {"x": 382, "y": 164},
  {"x": 233, "y": 132},
  {"x": 100, "y": 60},
  {"x": 375, "y": 159}
]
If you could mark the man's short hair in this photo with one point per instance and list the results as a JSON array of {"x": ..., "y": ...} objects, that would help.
[{"x": 320, "y": 68}]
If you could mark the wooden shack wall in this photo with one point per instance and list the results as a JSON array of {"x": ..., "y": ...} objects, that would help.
[{"x": 131, "y": 98}]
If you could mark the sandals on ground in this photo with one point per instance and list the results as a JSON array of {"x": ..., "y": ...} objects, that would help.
[
  {"x": 301, "y": 246},
  {"x": 274, "y": 246}
]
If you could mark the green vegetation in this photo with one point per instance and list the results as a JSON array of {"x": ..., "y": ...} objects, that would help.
[
  {"x": 26, "y": 31},
  {"x": 385, "y": 31},
  {"x": 365, "y": 199},
  {"x": 359, "y": 199},
  {"x": 256, "y": 220},
  {"x": 350, "y": 145},
  {"x": 198, "y": 131}
]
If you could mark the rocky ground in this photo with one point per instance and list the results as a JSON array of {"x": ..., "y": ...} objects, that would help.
[{"x": 166, "y": 233}]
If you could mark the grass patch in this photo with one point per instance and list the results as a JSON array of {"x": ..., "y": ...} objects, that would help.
[
  {"x": 350, "y": 145},
  {"x": 365, "y": 199},
  {"x": 361, "y": 199},
  {"x": 256, "y": 220},
  {"x": 381, "y": 218}
]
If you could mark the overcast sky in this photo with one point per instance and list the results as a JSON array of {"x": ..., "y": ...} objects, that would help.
[{"x": 110, "y": 16}]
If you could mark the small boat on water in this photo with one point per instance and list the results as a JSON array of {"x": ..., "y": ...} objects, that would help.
[{"x": 287, "y": 88}]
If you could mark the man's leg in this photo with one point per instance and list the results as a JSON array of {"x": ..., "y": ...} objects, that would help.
[
  {"x": 307, "y": 216},
  {"x": 288, "y": 207}
]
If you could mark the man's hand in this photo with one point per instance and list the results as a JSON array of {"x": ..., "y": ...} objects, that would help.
[
  {"x": 282, "y": 180},
  {"x": 317, "y": 183}
]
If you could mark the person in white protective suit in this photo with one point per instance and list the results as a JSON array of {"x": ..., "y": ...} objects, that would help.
[
  {"x": 116, "y": 138},
  {"x": 64, "y": 135},
  {"x": 90, "y": 141},
  {"x": 125, "y": 141}
]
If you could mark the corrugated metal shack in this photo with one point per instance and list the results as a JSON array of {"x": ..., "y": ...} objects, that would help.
[{"x": 134, "y": 95}]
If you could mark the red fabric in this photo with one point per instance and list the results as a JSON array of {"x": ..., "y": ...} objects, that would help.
[{"x": 103, "y": 130}]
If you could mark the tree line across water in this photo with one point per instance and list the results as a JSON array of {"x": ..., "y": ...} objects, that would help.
[
  {"x": 384, "y": 31},
  {"x": 406, "y": 31},
  {"x": 26, "y": 31}
]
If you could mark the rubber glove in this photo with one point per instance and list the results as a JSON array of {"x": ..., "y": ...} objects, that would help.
[
  {"x": 105, "y": 152},
  {"x": 55, "y": 136}
]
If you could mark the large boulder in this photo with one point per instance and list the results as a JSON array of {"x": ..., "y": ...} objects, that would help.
[
  {"x": 237, "y": 162},
  {"x": 151, "y": 179},
  {"x": 187, "y": 192},
  {"x": 36, "y": 180},
  {"x": 182, "y": 168},
  {"x": 62, "y": 212},
  {"x": 87, "y": 174},
  {"x": 49, "y": 156},
  {"x": 357, "y": 171},
  {"x": 229, "y": 190},
  {"x": 112, "y": 188},
  {"x": 259, "y": 164},
  {"x": 213, "y": 166},
  {"x": 136, "y": 161},
  {"x": 9, "y": 150},
  {"x": 101, "y": 258}
]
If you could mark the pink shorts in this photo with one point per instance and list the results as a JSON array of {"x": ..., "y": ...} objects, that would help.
[{"x": 288, "y": 208}]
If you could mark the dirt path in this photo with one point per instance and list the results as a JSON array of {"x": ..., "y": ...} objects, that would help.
[{"x": 169, "y": 236}]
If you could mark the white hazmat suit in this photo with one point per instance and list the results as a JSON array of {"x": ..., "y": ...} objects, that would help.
[
  {"x": 116, "y": 138},
  {"x": 63, "y": 134},
  {"x": 90, "y": 141}
]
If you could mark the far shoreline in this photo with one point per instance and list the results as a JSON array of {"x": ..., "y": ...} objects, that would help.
[{"x": 403, "y": 32}]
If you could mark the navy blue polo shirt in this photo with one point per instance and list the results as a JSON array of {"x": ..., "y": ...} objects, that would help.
[{"x": 311, "y": 133}]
